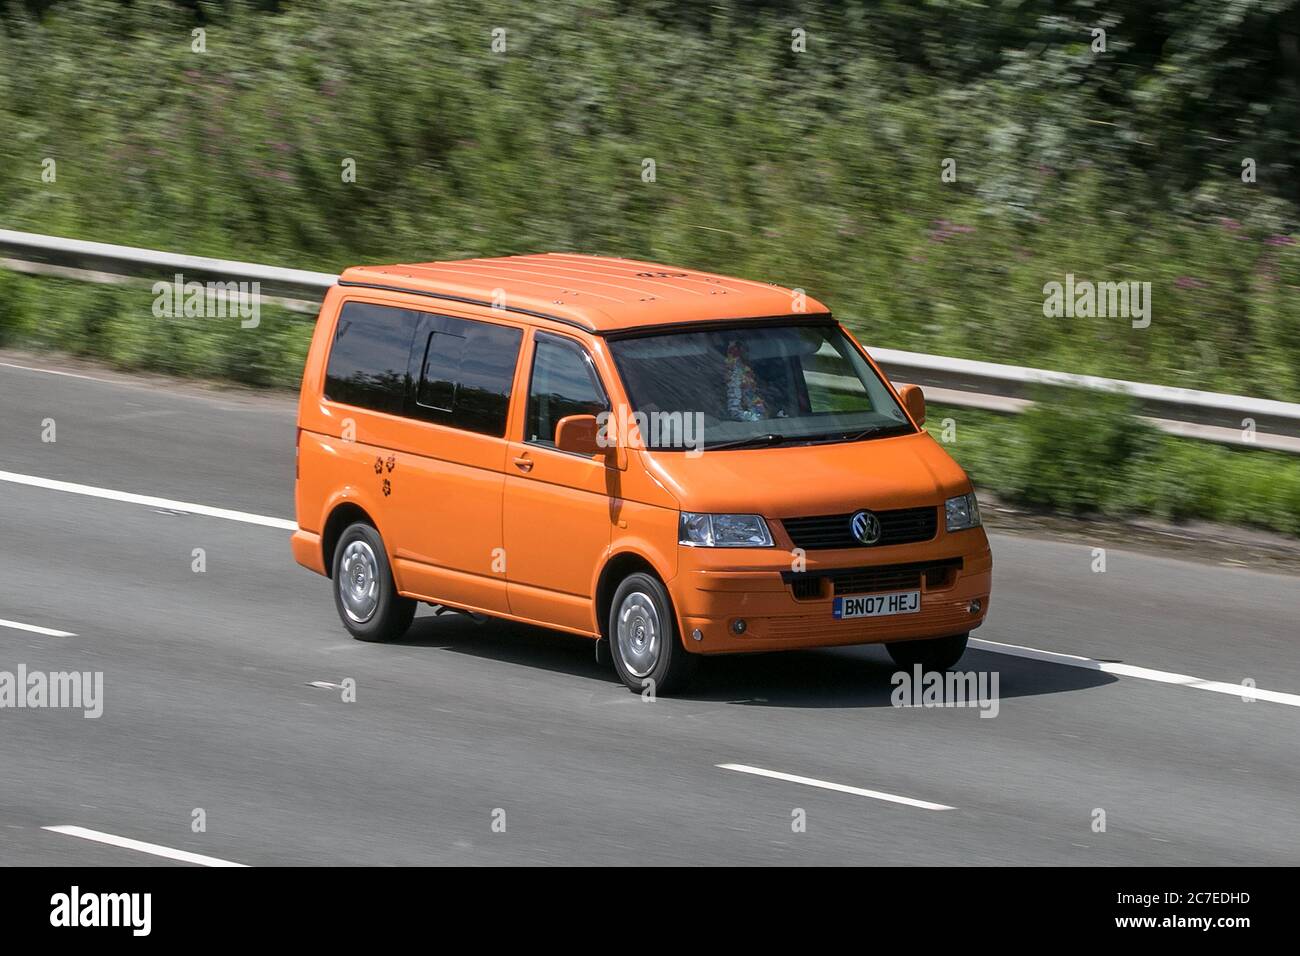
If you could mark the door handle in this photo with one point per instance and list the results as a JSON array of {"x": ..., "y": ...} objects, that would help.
[{"x": 524, "y": 463}]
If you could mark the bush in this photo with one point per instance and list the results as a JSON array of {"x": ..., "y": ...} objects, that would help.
[
  {"x": 14, "y": 311},
  {"x": 116, "y": 324},
  {"x": 1082, "y": 453},
  {"x": 1074, "y": 451}
]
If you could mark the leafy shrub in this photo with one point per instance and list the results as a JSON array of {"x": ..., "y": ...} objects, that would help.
[
  {"x": 1074, "y": 451},
  {"x": 1069, "y": 455}
]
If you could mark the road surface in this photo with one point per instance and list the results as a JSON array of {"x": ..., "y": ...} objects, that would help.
[{"x": 222, "y": 693}]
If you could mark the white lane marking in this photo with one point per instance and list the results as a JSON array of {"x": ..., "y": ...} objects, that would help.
[
  {"x": 184, "y": 856},
  {"x": 827, "y": 785},
  {"x": 47, "y": 631},
  {"x": 51, "y": 371},
  {"x": 148, "y": 501},
  {"x": 1142, "y": 673}
]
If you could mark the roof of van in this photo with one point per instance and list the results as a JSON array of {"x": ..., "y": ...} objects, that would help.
[{"x": 598, "y": 293}]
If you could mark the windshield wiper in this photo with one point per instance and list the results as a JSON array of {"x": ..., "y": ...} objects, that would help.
[
  {"x": 762, "y": 441},
  {"x": 873, "y": 432},
  {"x": 754, "y": 441},
  {"x": 878, "y": 430}
]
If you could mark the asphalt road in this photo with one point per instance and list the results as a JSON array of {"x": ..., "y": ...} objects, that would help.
[{"x": 209, "y": 699}]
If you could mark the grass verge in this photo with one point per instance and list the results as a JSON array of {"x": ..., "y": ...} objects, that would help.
[{"x": 1087, "y": 454}]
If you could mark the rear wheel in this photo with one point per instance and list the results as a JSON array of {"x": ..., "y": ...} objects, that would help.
[
  {"x": 934, "y": 654},
  {"x": 644, "y": 640},
  {"x": 367, "y": 601}
]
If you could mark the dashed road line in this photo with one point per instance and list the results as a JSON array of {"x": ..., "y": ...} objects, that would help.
[
  {"x": 47, "y": 631},
  {"x": 183, "y": 856},
  {"x": 1240, "y": 691},
  {"x": 838, "y": 787}
]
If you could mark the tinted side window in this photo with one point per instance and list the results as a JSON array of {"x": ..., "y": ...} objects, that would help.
[
  {"x": 368, "y": 361},
  {"x": 564, "y": 383},
  {"x": 466, "y": 372}
]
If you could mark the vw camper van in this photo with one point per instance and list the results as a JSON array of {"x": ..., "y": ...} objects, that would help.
[{"x": 668, "y": 462}]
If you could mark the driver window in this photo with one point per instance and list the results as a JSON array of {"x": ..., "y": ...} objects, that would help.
[{"x": 564, "y": 382}]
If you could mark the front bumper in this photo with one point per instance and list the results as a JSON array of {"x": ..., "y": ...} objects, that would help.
[{"x": 716, "y": 587}]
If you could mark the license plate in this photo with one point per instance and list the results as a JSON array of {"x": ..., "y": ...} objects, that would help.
[{"x": 876, "y": 605}]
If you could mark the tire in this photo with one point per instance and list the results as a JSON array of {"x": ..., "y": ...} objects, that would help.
[
  {"x": 934, "y": 654},
  {"x": 644, "y": 640},
  {"x": 368, "y": 603}
]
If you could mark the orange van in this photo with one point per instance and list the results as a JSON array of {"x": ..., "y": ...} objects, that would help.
[{"x": 668, "y": 462}]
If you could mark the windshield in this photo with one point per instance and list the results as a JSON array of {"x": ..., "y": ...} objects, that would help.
[{"x": 750, "y": 386}]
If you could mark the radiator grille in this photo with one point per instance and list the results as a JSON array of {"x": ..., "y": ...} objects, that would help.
[{"x": 899, "y": 526}]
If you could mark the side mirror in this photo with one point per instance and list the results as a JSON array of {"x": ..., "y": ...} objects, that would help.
[
  {"x": 914, "y": 400},
  {"x": 577, "y": 434}
]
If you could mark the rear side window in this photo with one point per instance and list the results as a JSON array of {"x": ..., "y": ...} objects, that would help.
[
  {"x": 466, "y": 371},
  {"x": 564, "y": 383},
  {"x": 369, "y": 358}
]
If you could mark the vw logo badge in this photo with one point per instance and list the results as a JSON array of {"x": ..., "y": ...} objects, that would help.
[{"x": 865, "y": 527}]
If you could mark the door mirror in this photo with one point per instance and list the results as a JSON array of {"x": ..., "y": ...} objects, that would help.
[
  {"x": 577, "y": 434},
  {"x": 914, "y": 400}
]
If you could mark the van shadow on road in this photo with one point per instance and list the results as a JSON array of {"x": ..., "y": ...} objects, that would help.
[{"x": 833, "y": 677}]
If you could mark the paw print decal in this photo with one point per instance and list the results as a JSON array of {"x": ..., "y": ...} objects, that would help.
[{"x": 381, "y": 464}]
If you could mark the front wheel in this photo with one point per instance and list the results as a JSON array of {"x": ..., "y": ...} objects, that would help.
[
  {"x": 364, "y": 593},
  {"x": 934, "y": 654},
  {"x": 645, "y": 644}
]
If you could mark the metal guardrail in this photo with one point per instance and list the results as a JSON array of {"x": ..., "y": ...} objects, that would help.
[
  {"x": 150, "y": 263},
  {"x": 1185, "y": 412},
  {"x": 1191, "y": 413}
]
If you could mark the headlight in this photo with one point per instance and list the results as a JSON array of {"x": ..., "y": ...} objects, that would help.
[
  {"x": 962, "y": 512},
  {"x": 723, "y": 531}
]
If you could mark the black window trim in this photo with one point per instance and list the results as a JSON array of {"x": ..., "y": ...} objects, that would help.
[
  {"x": 711, "y": 325},
  {"x": 415, "y": 373},
  {"x": 329, "y": 356},
  {"x": 539, "y": 334},
  {"x": 415, "y": 366},
  {"x": 633, "y": 331},
  {"x": 823, "y": 319},
  {"x": 405, "y": 290}
]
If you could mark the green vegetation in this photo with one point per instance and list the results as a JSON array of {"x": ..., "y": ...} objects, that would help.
[
  {"x": 1084, "y": 453},
  {"x": 817, "y": 169},
  {"x": 115, "y": 324}
]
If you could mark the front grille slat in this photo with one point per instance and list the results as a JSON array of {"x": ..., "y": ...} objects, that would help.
[
  {"x": 900, "y": 526},
  {"x": 872, "y": 580},
  {"x": 807, "y": 585},
  {"x": 806, "y": 589}
]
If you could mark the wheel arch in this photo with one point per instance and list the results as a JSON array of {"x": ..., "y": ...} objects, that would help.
[
  {"x": 344, "y": 513},
  {"x": 615, "y": 569}
]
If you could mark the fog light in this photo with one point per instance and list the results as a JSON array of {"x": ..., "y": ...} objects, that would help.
[
  {"x": 697, "y": 634},
  {"x": 738, "y": 626},
  {"x": 975, "y": 606}
]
